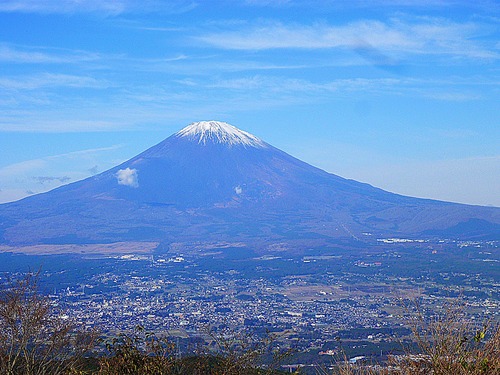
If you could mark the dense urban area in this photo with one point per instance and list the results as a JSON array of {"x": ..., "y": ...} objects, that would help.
[{"x": 317, "y": 304}]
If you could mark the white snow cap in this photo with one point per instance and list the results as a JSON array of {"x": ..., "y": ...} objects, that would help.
[{"x": 219, "y": 132}]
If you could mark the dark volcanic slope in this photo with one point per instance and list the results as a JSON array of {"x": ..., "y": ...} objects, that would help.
[{"x": 213, "y": 182}]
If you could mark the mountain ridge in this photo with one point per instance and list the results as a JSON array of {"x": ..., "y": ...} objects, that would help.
[{"x": 213, "y": 182}]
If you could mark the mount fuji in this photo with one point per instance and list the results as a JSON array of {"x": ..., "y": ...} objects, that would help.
[{"x": 213, "y": 183}]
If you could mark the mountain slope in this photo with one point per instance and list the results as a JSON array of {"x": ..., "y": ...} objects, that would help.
[{"x": 214, "y": 182}]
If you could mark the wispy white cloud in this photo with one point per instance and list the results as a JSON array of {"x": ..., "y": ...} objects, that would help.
[
  {"x": 423, "y": 36},
  {"x": 428, "y": 88},
  {"x": 39, "y": 175},
  {"x": 51, "y": 122},
  {"x": 86, "y": 152},
  {"x": 160, "y": 28},
  {"x": 441, "y": 36},
  {"x": 191, "y": 66},
  {"x": 21, "y": 167},
  {"x": 397, "y": 4},
  {"x": 30, "y": 166},
  {"x": 108, "y": 7},
  {"x": 452, "y": 96},
  {"x": 62, "y": 6},
  {"x": 274, "y": 35},
  {"x": 34, "y": 107},
  {"x": 40, "y": 55},
  {"x": 273, "y": 3},
  {"x": 33, "y": 82},
  {"x": 306, "y": 86},
  {"x": 10, "y": 54},
  {"x": 119, "y": 109}
]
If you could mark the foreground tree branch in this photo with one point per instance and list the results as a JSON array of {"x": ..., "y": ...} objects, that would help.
[{"x": 35, "y": 339}]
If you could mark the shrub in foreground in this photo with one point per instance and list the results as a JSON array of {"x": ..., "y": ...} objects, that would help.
[{"x": 33, "y": 339}]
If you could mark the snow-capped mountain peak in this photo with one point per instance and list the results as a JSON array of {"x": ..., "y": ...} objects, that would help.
[{"x": 219, "y": 132}]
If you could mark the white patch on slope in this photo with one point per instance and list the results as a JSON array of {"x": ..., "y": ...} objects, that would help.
[
  {"x": 128, "y": 177},
  {"x": 219, "y": 132}
]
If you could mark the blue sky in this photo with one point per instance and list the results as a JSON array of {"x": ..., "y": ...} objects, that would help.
[{"x": 403, "y": 94}]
